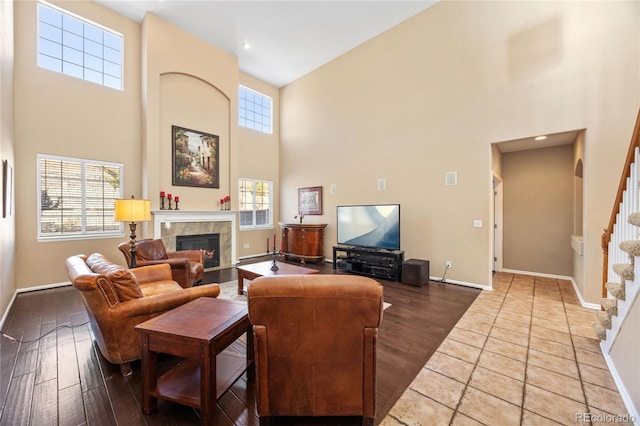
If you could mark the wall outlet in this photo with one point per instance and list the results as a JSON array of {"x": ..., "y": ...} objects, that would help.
[
  {"x": 448, "y": 264},
  {"x": 246, "y": 245}
]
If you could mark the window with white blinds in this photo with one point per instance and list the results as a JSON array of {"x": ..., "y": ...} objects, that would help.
[
  {"x": 256, "y": 203},
  {"x": 76, "y": 197}
]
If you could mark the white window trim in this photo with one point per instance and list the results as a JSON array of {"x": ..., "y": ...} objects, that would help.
[
  {"x": 95, "y": 24},
  {"x": 83, "y": 236},
  {"x": 270, "y": 132},
  {"x": 254, "y": 226}
]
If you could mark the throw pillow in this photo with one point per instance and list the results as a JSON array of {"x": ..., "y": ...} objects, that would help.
[
  {"x": 126, "y": 284},
  {"x": 123, "y": 280}
]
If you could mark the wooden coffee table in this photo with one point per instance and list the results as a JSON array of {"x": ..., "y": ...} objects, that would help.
[
  {"x": 198, "y": 331},
  {"x": 263, "y": 269}
]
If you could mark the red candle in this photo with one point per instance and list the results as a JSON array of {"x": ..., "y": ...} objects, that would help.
[
  {"x": 169, "y": 196},
  {"x": 177, "y": 198},
  {"x": 162, "y": 193}
]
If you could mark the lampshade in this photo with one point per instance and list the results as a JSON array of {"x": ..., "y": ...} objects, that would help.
[{"x": 132, "y": 210}]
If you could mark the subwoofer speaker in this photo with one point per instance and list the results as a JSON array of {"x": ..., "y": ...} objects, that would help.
[{"x": 415, "y": 272}]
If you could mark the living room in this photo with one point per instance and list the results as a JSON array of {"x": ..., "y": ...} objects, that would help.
[{"x": 427, "y": 97}]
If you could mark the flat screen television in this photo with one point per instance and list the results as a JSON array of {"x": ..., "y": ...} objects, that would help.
[{"x": 375, "y": 226}]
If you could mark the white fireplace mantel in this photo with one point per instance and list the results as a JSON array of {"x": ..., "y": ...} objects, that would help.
[{"x": 188, "y": 216}]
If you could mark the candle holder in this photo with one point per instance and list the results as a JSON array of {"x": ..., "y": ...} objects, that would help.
[
  {"x": 162, "y": 202},
  {"x": 169, "y": 205},
  {"x": 176, "y": 205},
  {"x": 274, "y": 267}
]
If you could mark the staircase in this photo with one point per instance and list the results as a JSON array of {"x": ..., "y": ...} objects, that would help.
[
  {"x": 621, "y": 246},
  {"x": 619, "y": 319},
  {"x": 621, "y": 287}
]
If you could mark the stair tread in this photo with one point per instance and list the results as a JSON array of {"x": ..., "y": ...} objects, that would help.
[
  {"x": 605, "y": 319},
  {"x": 610, "y": 305},
  {"x": 624, "y": 270},
  {"x": 634, "y": 219},
  {"x": 617, "y": 290},
  {"x": 600, "y": 331},
  {"x": 631, "y": 247}
]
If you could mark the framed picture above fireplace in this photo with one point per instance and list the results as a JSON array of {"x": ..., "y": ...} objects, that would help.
[{"x": 195, "y": 158}]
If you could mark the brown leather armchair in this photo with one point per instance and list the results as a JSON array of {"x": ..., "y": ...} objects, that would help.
[
  {"x": 187, "y": 266},
  {"x": 315, "y": 340},
  {"x": 117, "y": 299}
]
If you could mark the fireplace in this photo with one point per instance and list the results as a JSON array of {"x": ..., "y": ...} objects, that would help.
[
  {"x": 168, "y": 224},
  {"x": 208, "y": 243}
]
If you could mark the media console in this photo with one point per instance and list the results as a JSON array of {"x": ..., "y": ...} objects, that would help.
[{"x": 379, "y": 263}]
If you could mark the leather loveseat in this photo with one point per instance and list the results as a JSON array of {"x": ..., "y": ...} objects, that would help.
[
  {"x": 117, "y": 299},
  {"x": 315, "y": 340}
]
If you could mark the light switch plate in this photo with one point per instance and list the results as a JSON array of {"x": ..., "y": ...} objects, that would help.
[{"x": 477, "y": 223}]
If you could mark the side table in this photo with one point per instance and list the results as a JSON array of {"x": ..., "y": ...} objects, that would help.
[{"x": 198, "y": 331}]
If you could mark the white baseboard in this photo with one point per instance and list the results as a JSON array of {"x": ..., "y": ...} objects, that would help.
[
  {"x": 583, "y": 303},
  {"x": 634, "y": 415},
  {"x": 6, "y": 312},
  {"x": 26, "y": 290},
  {"x": 537, "y": 274},
  {"x": 463, "y": 283}
]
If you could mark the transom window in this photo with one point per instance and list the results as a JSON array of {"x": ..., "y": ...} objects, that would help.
[
  {"x": 77, "y": 198},
  {"x": 256, "y": 203},
  {"x": 255, "y": 110},
  {"x": 77, "y": 47}
]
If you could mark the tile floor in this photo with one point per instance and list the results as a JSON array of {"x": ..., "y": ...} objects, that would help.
[{"x": 523, "y": 354}]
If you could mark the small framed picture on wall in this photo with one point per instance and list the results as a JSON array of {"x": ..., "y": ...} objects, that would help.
[{"x": 310, "y": 200}]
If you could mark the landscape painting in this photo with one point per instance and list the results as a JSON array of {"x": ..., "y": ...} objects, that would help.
[{"x": 195, "y": 158}]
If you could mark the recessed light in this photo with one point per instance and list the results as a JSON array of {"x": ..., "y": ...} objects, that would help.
[
  {"x": 540, "y": 138},
  {"x": 246, "y": 45}
]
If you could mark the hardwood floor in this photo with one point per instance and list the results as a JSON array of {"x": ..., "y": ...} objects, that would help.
[{"x": 61, "y": 377}]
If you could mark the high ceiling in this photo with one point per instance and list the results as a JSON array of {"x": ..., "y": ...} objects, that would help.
[{"x": 288, "y": 38}]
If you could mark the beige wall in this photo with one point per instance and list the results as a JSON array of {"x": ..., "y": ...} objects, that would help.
[
  {"x": 60, "y": 115},
  {"x": 193, "y": 84},
  {"x": 578, "y": 214},
  {"x": 538, "y": 210},
  {"x": 258, "y": 155},
  {"x": 171, "y": 77},
  {"x": 407, "y": 106},
  {"x": 430, "y": 95},
  {"x": 7, "y": 224}
]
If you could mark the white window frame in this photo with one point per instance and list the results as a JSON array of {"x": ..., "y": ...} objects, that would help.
[
  {"x": 73, "y": 186},
  {"x": 254, "y": 115},
  {"x": 253, "y": 225},
  {"x": 79, "y": 48}
]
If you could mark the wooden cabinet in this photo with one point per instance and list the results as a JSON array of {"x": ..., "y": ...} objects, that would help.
[{"x": 303, "y": 242}]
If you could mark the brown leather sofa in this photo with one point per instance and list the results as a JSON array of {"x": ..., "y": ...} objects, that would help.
[
  {"x": 315, "y": 340},
  {"x": 117, "y": 299},
  {"x": 187, "y": 266}
]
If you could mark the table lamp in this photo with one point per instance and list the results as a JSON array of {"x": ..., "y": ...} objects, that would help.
[{"x": 132, "y": 211}]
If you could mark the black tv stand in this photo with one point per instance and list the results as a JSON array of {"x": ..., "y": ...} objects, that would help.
[{"x": 372, "y": 262}]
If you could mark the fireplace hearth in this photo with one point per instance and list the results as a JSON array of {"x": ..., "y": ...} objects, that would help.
[{"x": 209, "y": 244}]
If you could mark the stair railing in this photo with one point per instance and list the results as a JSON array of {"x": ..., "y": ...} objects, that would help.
[{"x": 626, "y": 202}]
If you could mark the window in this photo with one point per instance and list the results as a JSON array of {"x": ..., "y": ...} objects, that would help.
[
  {"x": 77, "y": 197},
  {"x": 256, "y": 203},
  {"x": 255, "y": 110},
  {"x": 73, "y": 46}
]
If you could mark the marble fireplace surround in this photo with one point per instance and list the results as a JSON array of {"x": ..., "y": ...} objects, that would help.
[{"x": 167, "y": 224}]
